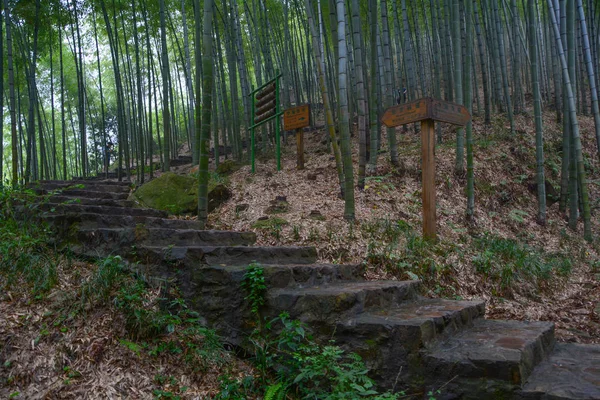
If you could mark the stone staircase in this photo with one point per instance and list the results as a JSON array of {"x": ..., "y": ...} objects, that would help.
[{"x": 408, "y": 341}]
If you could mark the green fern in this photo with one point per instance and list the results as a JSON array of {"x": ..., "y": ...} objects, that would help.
[{"x": 276, "y": 392}]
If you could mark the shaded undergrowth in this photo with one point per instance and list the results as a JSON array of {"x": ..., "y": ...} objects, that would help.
[
  {"x": 25, "y": 256},
  {"x": 291, "y": 364},
  {"x": 500, "y": 262}
]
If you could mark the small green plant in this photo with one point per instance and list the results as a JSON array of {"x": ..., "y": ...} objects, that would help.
[
  {"x": 296, "y": 232},
  {"x": 162, "y": 394},
  {"x": 518, "y": 215},
  {"x": 276, "y": 391},
  {"x": 504, "y": 260},
  {"x": 102, "y": 283},
  {"x": 235, "y": 389},
  {"x": 311, "y": 370},
  {"x": 313, "y": 235},
  {"x": 254, "y": 284}
]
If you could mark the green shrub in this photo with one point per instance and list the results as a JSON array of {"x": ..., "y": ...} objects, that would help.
[
  {"x": 504, "y": 260},
  {"x": 303, "y": 366}
]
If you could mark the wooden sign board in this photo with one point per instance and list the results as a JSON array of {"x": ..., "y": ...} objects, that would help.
[
  {"x": 408, "y": 113},
  {"x": 451, "y": 113},
  {"x": 296, "y": 117},
  {"x": 426, "y": 108}
]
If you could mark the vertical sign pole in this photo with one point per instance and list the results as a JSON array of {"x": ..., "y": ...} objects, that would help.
[
  {"x": 277, "y": 122},
  {"x": 428, "y": 168},
  {"x": 300, "y": 148},
  {"x": 252, "y": 133}
]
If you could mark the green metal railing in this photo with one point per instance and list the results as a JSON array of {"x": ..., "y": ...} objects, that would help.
[{"x": 261, "y": 98}]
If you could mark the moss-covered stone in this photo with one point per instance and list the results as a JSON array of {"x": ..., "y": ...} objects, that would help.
[
  {"x": 270, "y": 223},
  {"x": 228, "y": 167},
  {"x": 178, "y": 194}
]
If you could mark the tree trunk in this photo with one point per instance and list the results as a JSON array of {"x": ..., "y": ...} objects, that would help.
[
  {"x": 165, "y": 83},
  {"x": 344, "y": 123},
  {"x": 207, "y": 82}
]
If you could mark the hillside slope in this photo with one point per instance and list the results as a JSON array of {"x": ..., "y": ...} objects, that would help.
[{"x": 524, "y": 270}]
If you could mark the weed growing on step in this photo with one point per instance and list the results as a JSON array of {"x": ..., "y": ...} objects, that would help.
[
  {"x": 304, "y": 368},
  {"x": 254, "y": 284}
]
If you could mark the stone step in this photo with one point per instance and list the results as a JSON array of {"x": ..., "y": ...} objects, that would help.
[
  {"x": 92, "y": 188},
  {"x": 90, "y": 180},
  {"x": 88, "y": 220},
  {"x": 91, "y": 194},
  {"x": 571, "y": 372},
  {"x": 279, "y": 276},
  {"x": 290, "y": 276},
  {"x": 99, "y": 186},
  {"x": 62, "y": 199},
  {"x": 286, "y": 275},
  {"x": 228, "y": 255},
  {"x": 102, "y": 176},
  {"x": 217, "y": 290},
  {"x": 126, "y": 237},
  {"x": 505, "y": 351},
  {"x": 181, "y": 160},
  {"x": 391, "y": 339},
  {"x": 328, "y": 303},
  {"x": 105, "y": 210}
]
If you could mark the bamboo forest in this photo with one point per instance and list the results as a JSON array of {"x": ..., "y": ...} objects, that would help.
[{"x": 300, "y": 199}]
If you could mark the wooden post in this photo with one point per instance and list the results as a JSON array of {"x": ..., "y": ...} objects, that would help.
[
  {"x": 428, "y": 168},
  {"x": 428, "y": 111},
  {"x": 300, "y": 148}
]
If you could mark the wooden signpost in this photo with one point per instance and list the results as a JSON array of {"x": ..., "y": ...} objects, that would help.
[
  {"x": 297, "y": 118},
  {"x": 427, "y": 111}
]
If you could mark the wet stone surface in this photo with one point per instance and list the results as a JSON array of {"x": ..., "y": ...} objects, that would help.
[
  {"x": 504, "y": 350},
  {"x": 571, "y": 372}
]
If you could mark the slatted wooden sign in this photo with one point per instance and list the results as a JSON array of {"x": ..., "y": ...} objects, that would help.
[
  {"x": 426, "y": 108},
  {"x": 265, "y": 108},
  {"x": 265, "y": 104},
  {"x": 427, "y": 111},
  {"x": 296, "y": 117}
]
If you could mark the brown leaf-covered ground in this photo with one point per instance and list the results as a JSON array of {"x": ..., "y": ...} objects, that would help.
[
  {"x": 505, "y": 206},
  {"x": 49, "y": 352}
]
